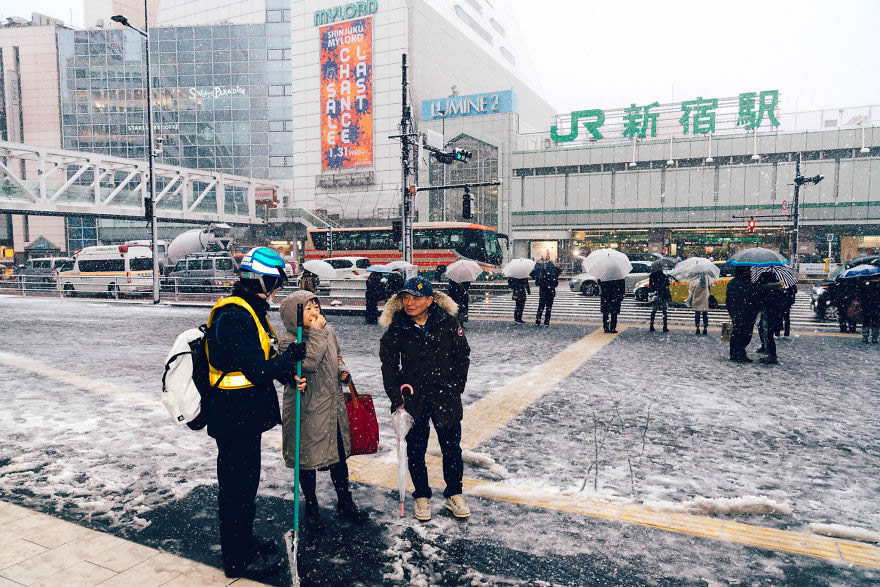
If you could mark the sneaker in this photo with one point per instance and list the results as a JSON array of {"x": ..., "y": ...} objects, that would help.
[
  {"x": 423, "y": 509},
  {"x": 457, "y": 506}
]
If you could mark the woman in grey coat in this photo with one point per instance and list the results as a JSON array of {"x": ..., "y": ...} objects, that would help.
[{"x": 325, "y": 440}]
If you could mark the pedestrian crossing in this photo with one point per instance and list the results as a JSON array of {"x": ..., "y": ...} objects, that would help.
[{"x": 572, "y": 306}]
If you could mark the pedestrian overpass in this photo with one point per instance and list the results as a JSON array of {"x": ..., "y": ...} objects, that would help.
[{"x": 57, "y": 182}]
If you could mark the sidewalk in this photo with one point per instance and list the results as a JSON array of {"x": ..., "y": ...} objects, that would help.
[{"x": 37, "y": 549}]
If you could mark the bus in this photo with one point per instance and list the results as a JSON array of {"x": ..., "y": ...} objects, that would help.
[{"x": 435, "y": 246}]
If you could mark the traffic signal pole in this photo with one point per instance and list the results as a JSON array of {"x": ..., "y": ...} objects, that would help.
[
  {"x": 795, "y": 226},
  {"x": 406, "y": 200}
]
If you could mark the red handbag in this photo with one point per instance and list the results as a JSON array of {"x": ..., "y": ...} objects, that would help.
[{"x": 362, "y": 423}]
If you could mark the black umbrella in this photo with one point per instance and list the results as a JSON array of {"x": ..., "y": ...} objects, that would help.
[
  {"x": 545, "y": 269},
  {"x": 663, "y": 263}
]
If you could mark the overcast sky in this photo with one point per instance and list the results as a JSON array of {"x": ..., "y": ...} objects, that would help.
[{"x": 609, "y": 54}]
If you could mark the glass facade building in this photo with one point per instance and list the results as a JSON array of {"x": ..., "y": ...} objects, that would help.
[{"x": 221, "y": 95}]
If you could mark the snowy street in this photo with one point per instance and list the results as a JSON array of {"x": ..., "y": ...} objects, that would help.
[{"x": 590, "y": 458}]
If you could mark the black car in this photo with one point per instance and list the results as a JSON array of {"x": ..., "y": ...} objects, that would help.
[{"x": 821, "y": 294}]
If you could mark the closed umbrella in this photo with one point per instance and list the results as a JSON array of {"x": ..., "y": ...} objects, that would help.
[
  {"x": 322, "y": 269},
  {"x": 519, "y": 268},
  {"x": 863, "y": 270},
  {"x": 694, "y": 267},
  {"x": 607, "y": 265},
  {"x": 401, "y": 423},
  {"x": 463, "y": 270},
  {"x": 756, "y": 257},
  {"x": 784, "y": 273}
]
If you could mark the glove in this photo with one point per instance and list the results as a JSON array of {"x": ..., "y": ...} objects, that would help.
[{"x": 297, "y": 351}]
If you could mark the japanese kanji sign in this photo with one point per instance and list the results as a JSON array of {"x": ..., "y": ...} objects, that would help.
[
  {"x": 347, "y": 94},
  {"x": 695, "y": 117}
]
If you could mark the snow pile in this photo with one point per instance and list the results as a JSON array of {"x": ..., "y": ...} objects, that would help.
[
  {"x": 749, "y": 504},
  {"x": 478, "y": 459},
  {"x": 848, "y": 532},
  {"x": 535, "y": 490}
]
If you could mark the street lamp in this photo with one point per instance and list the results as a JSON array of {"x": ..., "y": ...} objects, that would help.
[{"x": 149, "y": 204}]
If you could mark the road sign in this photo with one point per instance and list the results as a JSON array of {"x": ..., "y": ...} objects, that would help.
[
  {"x": 785, "y": 205},
  {"x": 830, "y": 237}
]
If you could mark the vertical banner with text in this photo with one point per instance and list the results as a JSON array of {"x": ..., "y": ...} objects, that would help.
[{"x": 347, "y": 94}]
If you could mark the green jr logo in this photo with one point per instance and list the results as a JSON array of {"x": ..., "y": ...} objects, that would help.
[{"x": 596, "y": 120}]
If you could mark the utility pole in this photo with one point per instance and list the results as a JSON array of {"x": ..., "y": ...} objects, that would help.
[
  {"x": 795, "y": 231},
  {"x": 406, "y": 201}
]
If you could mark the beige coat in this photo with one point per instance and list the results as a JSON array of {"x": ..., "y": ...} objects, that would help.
[
  {"x": 699, "y": 296},
  {"x": 323, "y": 403}
]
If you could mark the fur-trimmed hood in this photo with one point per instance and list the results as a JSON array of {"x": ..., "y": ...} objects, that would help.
[{"x": 395, "y": 305}]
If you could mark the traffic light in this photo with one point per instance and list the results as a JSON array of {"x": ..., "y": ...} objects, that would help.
[
  {"x": 461, "y": 155},
  {"x": 466, "y": 204},
  {"x": 397, "y": 230},
  {"x": 751, "y": 224}
]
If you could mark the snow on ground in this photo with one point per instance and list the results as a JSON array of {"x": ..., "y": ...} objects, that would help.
[
  {"x": 848, "y": 532},
  {"x": 670, "y": 420}
]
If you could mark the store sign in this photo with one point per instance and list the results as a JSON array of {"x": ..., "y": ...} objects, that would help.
[
  {"x": 346, "y": 12},
  {"x": 473, "y": 105},
  {"x": 216, "y": 92},
  {"x": 347, "y": 94},
  {"x": 697, "y": 116},
  {"x": 266, "y": 197}
]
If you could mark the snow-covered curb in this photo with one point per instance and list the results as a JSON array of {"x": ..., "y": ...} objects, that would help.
[
  {"x": 478, "y": 459},
  {"x": 749, "y": 504},
  {"x": 848, "y": 532}
]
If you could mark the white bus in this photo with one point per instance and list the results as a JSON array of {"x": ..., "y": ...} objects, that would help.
[{"x": 113, "y": 270}]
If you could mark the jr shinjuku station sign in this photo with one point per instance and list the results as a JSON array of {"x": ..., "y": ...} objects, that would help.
[{"x": 697, "y": 117}]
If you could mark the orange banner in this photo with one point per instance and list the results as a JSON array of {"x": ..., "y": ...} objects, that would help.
[{"x": 347, "y": 94}]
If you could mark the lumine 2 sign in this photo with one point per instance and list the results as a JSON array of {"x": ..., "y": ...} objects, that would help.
[{"x": 698, "y": 117}]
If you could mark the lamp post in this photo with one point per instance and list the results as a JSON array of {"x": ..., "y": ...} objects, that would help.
[{"x": 149, "y": 205}]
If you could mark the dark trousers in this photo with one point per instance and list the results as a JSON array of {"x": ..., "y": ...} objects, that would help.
[
  {"x": 518, "y": 310},
  {"x": 238, "y": 477},
  {"x": 450, "y": 447},
  {"x": 697, "y": 315},
  {"x": 786, "y": 321},
  {"x": 308, "y": 479},
  {"x": 372, "y": 315},
  {"x": 870, "y": 323},
  {"x": 663, "y": 307},
  {"x": 609, "y": 322},
  {"x": 545, "y": 301},
  {"x": 843, "y": 319},
  {"x": 741, "y": 335},
  {"x": 766, "y": 331}
]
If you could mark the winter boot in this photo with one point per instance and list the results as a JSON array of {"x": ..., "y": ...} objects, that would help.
[
  {"x": 705, "y": 330},
  {"x": 312, "y": 515},
  {"x": 698, "y": 331},
  {"x": 348, "y": 511}
]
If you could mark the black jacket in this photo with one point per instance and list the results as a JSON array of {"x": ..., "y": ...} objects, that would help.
[
  {"x": 234, "y": 345},
  {"x": 375, "y": 288},
  {"x": 459, "y": 294},
  {"x": 611, "y": 295},
  {"x": 869, "y": 297},
  {"x": 434, "y": 360},
  {"x": 658, "y": 282},
  {"x": 742, "y": 302}
]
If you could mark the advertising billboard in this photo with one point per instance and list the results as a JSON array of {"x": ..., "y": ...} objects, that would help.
[{"x": 347, "y": 94}]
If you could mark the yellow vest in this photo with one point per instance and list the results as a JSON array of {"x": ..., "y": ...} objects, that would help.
[{"x": 236, "y": 379}]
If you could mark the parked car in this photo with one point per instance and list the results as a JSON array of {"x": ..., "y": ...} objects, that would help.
[
  {"x": 679, "y": 289},
  {"x": 821, "y": 293},
  {"x": 350, "y": 267},
  {"x": 41, "y": 270},
  {"x": 204, "y": 272},
  {"x": 648, "y": 257},
  {"x": 588, "y": 285}
]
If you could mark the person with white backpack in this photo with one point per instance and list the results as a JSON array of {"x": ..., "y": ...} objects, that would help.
[{"x": 243, "y": 403}]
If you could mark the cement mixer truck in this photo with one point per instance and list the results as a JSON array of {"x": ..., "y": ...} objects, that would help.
[{"x": 211, "y": 238}]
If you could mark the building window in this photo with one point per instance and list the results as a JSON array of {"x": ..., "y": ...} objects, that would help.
[{"x": 82, "y": 231}]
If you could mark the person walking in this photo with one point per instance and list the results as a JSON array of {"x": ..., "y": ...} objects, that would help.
[
  {"x": 869, "y": 300},
  {"x": 742, "y": 306},
  {"x": 375, "y": 293},
  {"x": 520, "y": 289},
  {"x": 459, "y": 294},
  {"x": 790, "y": 296},
  {"x": 325, "y": 438},
  {"x": 698, "y": 294},
  {"x": 308, "y": 281},
  {"x": 394, "y": 284},
  {"x": 771, "y": 298},
  {"x": 424, "y": 347},
  {"x": 658, "y": 287},
  {"x": 242, "y": 366},
  {"x": 611, "y": 297},
  {"x": 547, "y": 281},
  {"x": 842, "y": 295}
]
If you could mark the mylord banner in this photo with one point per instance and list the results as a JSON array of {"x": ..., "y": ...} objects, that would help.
[
  {"x": 347, "y": 94},
  {"x": 473, "y": 105}
]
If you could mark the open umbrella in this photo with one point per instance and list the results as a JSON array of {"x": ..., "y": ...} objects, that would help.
[
  {"x": 401, "y": 422},
  {"x": 784, "y": 273},
  {"x": 863, "y": 270},
  {"x": 756, "y": 257},
  {"x": 663, "y": 263},
  {"x": 694, "y": 267},
  {"x": 607, "y": 264},
  {"x": 379, "y": 269},
  {"x": 519, "y": 268},
  {"x": 463, "y": 270},
  {"x": 322, "y": 269},
  {"x": 408, "y": 269}
]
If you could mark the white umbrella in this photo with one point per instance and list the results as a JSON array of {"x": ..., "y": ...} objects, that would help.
[
  {"x": 322, "y": 269},
  {"x": 607, "y": 265},
  {"x": 463, "y": 270},
  {"x": 401, "y": 423},
  {"x": 407, "y": 268},
  {"x": 694, "y": 267},
  {"x": 519, "y": 268}
]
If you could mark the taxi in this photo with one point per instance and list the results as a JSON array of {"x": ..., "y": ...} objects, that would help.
[{"x": 679, "y": 289}]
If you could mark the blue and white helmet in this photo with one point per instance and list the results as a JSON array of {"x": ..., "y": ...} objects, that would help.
[{"x": 262, "y": 262}]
